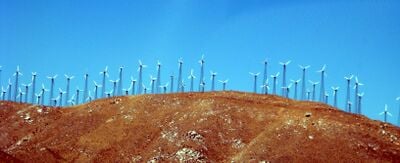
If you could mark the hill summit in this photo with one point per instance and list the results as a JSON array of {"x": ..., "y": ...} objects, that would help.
[{"x": 193, "y": 127}]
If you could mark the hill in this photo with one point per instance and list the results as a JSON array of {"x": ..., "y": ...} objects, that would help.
[{"x": 194, "y": 127}]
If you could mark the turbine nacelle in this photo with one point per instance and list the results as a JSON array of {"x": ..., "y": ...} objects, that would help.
[
  {"x": 285, "y": 63},
  {"x": 304, "y": 67}
]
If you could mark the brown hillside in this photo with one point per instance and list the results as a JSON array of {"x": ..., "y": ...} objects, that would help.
[{"x": 209, "y": 127}]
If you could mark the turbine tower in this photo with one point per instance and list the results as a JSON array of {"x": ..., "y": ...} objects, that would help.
[
  {"x": 274, "y": 86},
  {"x": 213, "y": 74},
  {"x": 284, "y": 64},
  {"x": 0, "y": 75},
  {"x": 16, "y": 86},
  {"x": 152, "y": 80},
  {"x": 398, "y": 117},
  {"x": 120, "y": 81},
  {"x": 179, "y": 82},
  {"x": 303, "y": 84},
  {"x": 3, "y": 93},
  {"x": 357, "y": 84},
  {"x": 42, "y": 95},
  {"x": 322, "y": 89},
  {"x": 191, "y": 77},
  {"x": 51, "y": 87},
  {"x": 296, "y": 82},
  {"x": 103, "y": 89},
  {"x": 140, "y": 84},
  {"x": 26, "y": 86},
  {"x": 313, "y": 89},
  {"x": 172, "y": 84},
  {"x": 360, "y": 95},
  {"x": 255, "y": 81},
  {"x": 114, "y": 85},
  {"x": 265, "y": 78},
  {"x": 385, "y": 113},
  {"x": 77, "y": 94},
  {"x": 158, "y": 77},
  {"x": 223, "y": 83},
  {"x": 61, "y": 92},
  {"x": 164, "y": 88},
  {"x": 265, "y": 87},
  {"x": 67, "y": 90},
  {"x": 96, "y": 88},
  {"x": 201, "y": 79},
  {"x": 34, "y": 74},
  {"x": 335, "y": 91},
  {"x": 348, "y": 79},
  {"x": 133, "y": 82},
  {"x": 37, "y": 98},
  {"x": 85, "y": 89}
]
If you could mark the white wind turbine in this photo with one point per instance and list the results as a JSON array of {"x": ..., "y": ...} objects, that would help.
[
  {"x": 164, "y": 87},
  {"x": 72, "y": 100},
  {"x": 356, "y": 87},
  {"x": 326, "y": 96},
  {"x": 105, "y": 74},
  {"x": 322, "y": 88},
  {"x": 42, "y": 95},
  {"x": 52, "y": 79},
  {"x": 286, "y": 90},
  {"x": 171, "y": 90},
  {"x": 347, "y": 100},
  {"x": 0, "y": 75},
  {"x": 16, "y": 86},
  {"x": 55, "y": 101},
  {"x": 114, "y": 85},
  {"x": 223, "y": 83},
  {"x": 85, "y": 89},
  {"x": 3, "y": 93},
  {"x": 34, "y": 74},
  {"x": 96, "y": 88},
  {"x": 61, "y": 93},
  {"x": 9, "y": 89},
  {"x": 89, "y": 98},
  {"x": 140, "y": 84},
  {"x": 398, "y": 117},
  {"x": 255, "y": 81},
  {"x": 191, "y": 77},
  {"x": 20, "y": 95},
  {"x": 295, "y": 82},
  {"x": 335, "y": 91},
  {"x": 179, "y": 82},
  {"x": 158, "y": 77},
  {"x": 360, "y": 95},
  {"x": 201, "y": 81},
  {"x": 109, "y": 93},
  {"x": 120, "y": 84},
  {"x": 213, "y": 74},
  {"x": 303, "y": 84},
  {"x": 313, "y": 89},
  {"x": 26, "y": 86},
  {"x": 308, "y": 95},
  {"x": 265, "y": 77},
  {"x": 152, "y": 80},
  {"x": 274, "y": 82},
  {"x": 133, "y": 82},
  {"x": 77, "y": 94},
  {"x": 284, "y": 64},
  {"x": 69, "y": 78},
  {"x": 38, "y": 98},
  {"x": 385, "y": 113},
  {"x": 265, "y": 87}
]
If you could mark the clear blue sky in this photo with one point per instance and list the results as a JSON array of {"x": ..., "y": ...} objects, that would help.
[{"x": 359, "y": 37}]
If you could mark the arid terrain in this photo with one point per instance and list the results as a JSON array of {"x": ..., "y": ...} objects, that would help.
[{"x": 193, "y": 127}]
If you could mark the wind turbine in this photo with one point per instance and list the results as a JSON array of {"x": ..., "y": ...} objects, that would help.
[
  {"x": 109, "y": 93},
  {"x": 158, "y": 77},
  {"x": 51, "y": 87},
  {"x": 72, "y": 100},
  {"x": 313, "y": 89},
  {"x": 296, "y": 82},
  {"x": 114, "y": 85},
  {"x": 274, "y": 86},
  {"x": 0, "y": 74},
  {"x": 335, "y": 90},
  {"x": 16, "y": 86},
  {"x": 385, "y": 113},
  {"x": 303, "y": 84},
  {"x": 152, "y": 80},
  {"x": 172, "y": 84},
  {"x": 9, "y": 89},
  {"x": 67, "y": 90},
  {"x": 133, "y": 82},
  {"x": 34, "y": 74},
  {"x": 255, "y": 81},
  {"x": 348, "y": 79},
  {"x": 398, "y": 117},
  {"x": 201, "y": 79},
  {"x": 3, "y": 93},
  {"x": 26, "y": 86},
  {"x": 223, "y": 83},
  {"x": 145, "y": 89},
  {"x": 326, "y": 96},
  {"x": 77, "y": 94},
  {"x": 191, "y": 77},
  {"x": 37, "y": 98},
  {"x": 85, "y": 89},
  {"x": 120, "y": 81},
  {"x": 164, "y": 88},
  {"x": 265, "y": 87},
  {"x": 360, "y": 95},
  {"x": 42, "y": 95},
  {"x": 286, "y": 90},
  {"x": 322, "y": 89},
  {"x": 179, "y": 82},
  {"x": 357, "y": 84},
  {"x": 96, "y": 87},
  {"x": 55, "y": 101},
  {"x": 308, "y": 95},
  {"x": 61, "y": 92},
  {"x": 140, "y": 84},
  {"x": 183, "y": 86},
  {"x": 103, "y": 89},
  {"x": 265, "y": 75},
  {"x": 20, "y": 95},
  {"x": 213, "y": 74},
  {"x": 202, "y": 86},
  {"x": 89, "y": 98},
  {"x": 284, "y": 64}
]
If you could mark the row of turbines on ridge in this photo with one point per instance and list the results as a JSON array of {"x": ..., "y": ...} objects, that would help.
[{"x": 22, "y": 92}]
